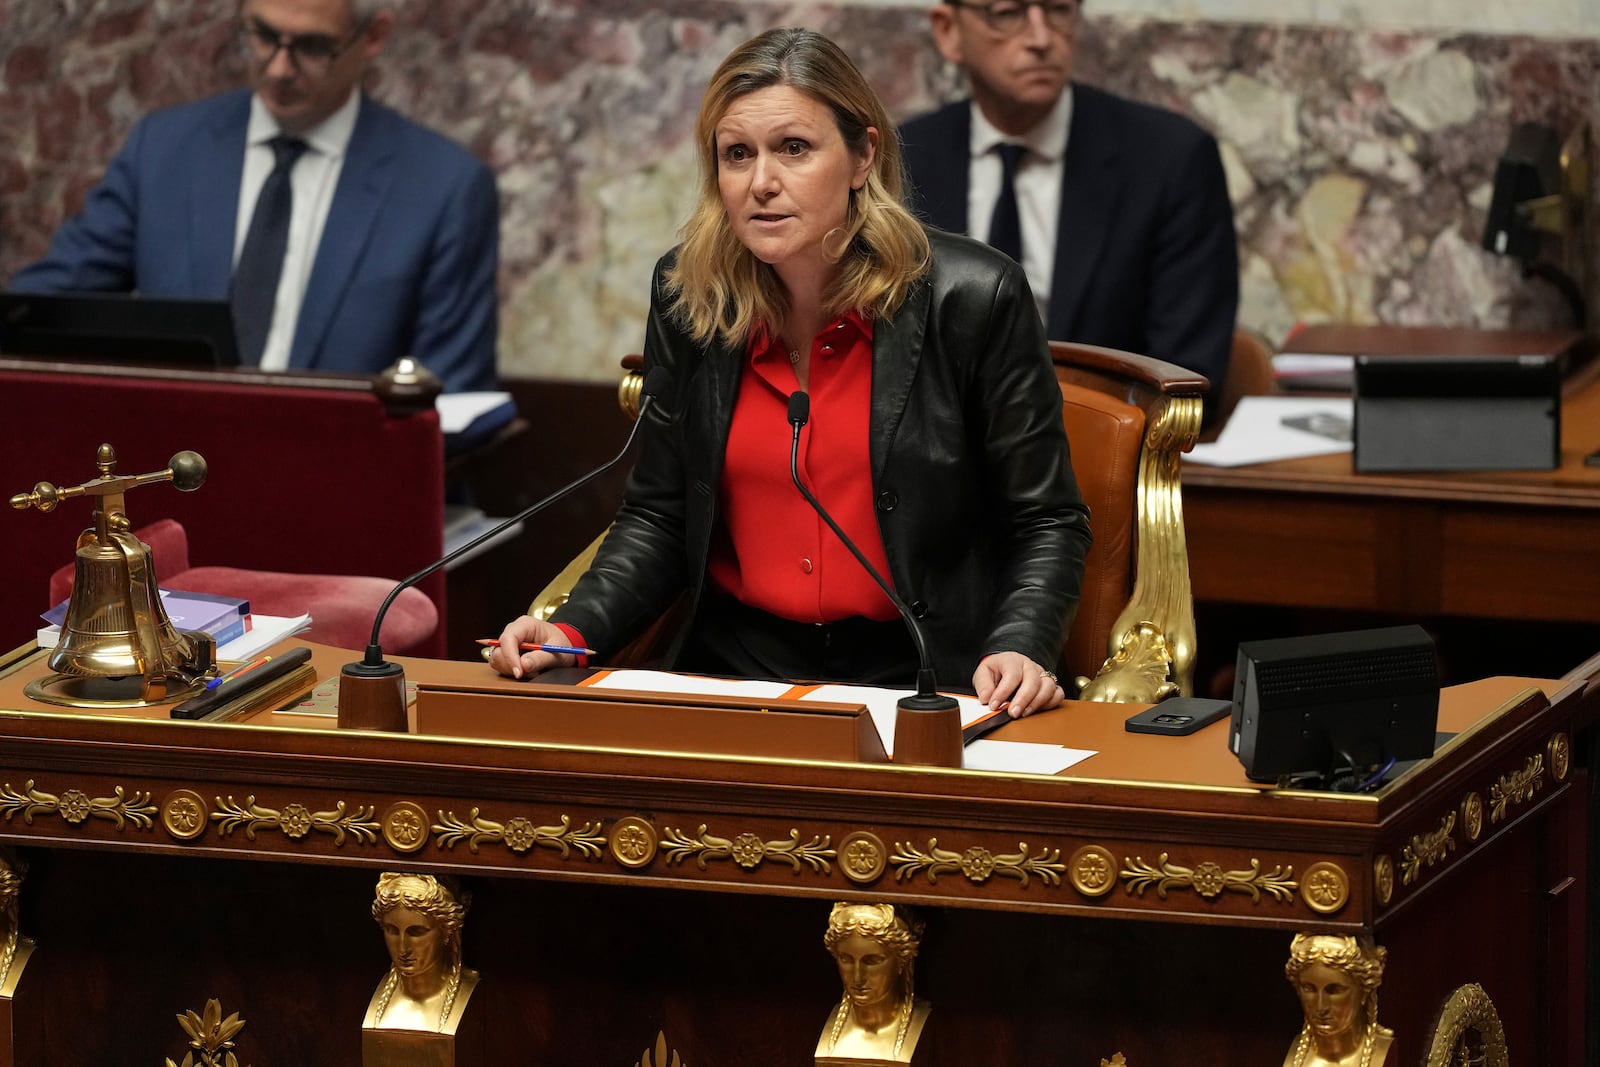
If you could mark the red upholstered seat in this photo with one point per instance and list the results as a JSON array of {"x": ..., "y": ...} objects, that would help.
[{"x": 342, "y": 607}]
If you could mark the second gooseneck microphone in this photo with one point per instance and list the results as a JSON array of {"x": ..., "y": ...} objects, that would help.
[{"x": 928, "y": 726}]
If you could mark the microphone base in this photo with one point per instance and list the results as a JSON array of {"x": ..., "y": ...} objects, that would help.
[
  {"x": 373, "y": 697},
  {"x": 927, "y": 731}
]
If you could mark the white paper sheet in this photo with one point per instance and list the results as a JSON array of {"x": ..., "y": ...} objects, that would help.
[
  {"x": 1022, "y": 757},
  {"x": 667, "y": 682},
  {"x": 1255, "y": 432}
]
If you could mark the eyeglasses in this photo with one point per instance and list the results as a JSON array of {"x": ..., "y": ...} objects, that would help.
[
  {"x": 311, "y": 53},
  {"x": 1010, "y": 16}
]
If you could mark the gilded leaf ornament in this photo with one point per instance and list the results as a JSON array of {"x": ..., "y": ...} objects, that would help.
[
  {"x": 978, "y": 864},
  {"x": 76, "y": 806},
  {"x": 661, "y": 1059},
  {"x": 1425, "y": 850},
  {"x": 748, "y": 850},
  {"x": 296, "y": 820},
  {"x": 1517, "y": 787},
  {"x": 210, "y": 1035},
  {"x": 519, "y": 834},
  {"x": 1208, "y": 879}
]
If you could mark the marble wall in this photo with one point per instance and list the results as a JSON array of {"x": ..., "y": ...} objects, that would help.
[{"x": 1359, "y": 159}]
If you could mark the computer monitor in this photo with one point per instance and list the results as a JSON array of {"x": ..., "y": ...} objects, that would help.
[
  {"x": 119, "y": 328},
  {"x": 1332, "y": 707}
]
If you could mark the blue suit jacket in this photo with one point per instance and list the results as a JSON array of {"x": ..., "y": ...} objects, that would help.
[
  {"x": 1146, "y": 259},
  {"x": 406, "y": 265}
]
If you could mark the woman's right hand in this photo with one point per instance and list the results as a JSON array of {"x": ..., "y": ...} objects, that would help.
[{"x": 508, "y": 659}]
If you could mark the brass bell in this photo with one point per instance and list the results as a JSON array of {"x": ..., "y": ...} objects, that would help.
[{"x": 117, "y": 644}]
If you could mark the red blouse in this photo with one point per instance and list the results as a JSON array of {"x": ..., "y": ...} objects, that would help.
[{"x": 771, "y": 550}]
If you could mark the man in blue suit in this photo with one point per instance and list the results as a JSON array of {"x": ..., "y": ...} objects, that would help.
[
  {"x": 346, "y": 235},
  {"x": 1122, "y": 210}
]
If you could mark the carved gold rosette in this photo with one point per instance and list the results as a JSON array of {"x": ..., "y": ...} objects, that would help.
[
  {"x": 1093, "y": 870},
  {"x": 1472, "y": 815},
  {"x": 405, "y": 826},
  {"x": 1559, "y": 749},
  {"x": 184, "y": 814},
  {"x": 633, "y": 842},
  {"x": 1383, "y": 879},
  {"x": 863, "y": 857},
  {"x": 1326, "y": 887}
]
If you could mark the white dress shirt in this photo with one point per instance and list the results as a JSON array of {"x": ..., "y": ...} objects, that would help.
[
  {"x": 1038, "y": 185},
  {"x": 313, "y": 180}
]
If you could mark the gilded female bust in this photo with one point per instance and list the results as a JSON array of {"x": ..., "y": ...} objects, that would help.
[
  {"x": 879, "y": 1019},
  {"x": 1337, "y": 979},
  {"x": 426, "y": 988}
]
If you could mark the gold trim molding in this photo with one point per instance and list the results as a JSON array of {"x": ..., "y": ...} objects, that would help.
[
  {"x": 1425, "y": 850},
  {"x": 977, "y": 863},
  {"x": 1208, "y": 879},
  {"x": 76, "y": 807},
  {"x": 748, "y": 850},
  {"x": 519, "y": 834}
]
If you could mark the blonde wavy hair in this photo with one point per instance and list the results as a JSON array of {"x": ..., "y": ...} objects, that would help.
[{"x": 718, "y": 288}]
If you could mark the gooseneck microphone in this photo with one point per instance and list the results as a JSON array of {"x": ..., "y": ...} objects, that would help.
[
  {"x": 377, "y": 695},
  {"x": 928, "y": 723}
]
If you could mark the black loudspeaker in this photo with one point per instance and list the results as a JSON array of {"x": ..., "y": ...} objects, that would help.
[
  {"x": 1457, "y": 413},
  {"x": 1312, "y": 705}
]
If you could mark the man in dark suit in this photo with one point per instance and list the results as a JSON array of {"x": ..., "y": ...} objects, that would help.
[
  {"x": 1122, "y": 209},
  {"x": 346, "y": 235}
]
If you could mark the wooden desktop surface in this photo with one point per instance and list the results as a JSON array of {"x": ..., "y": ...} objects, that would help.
[
  {"x": 579, "y": 859},
  {"x": 1313, "y": 533}
]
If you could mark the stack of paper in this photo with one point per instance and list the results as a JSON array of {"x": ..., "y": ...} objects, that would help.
[{"x": 1266, "y": 428}]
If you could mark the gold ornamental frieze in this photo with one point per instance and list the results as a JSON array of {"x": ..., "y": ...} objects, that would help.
[
  {"x": 978, "y": 863},
  {"x": 1426, "y": 850},
  {"x": 296, "y": 820},
  {"x": 77, "y": 807},
  {"x": 1325, "y": 888},
  {"x": 748, "y": 850},
  {"x": 1518, "y": 787},
  {"x": 1208, "y": 879},
  {"x": 519, "y": 834},
  {"x": 1559, "y": 748}
]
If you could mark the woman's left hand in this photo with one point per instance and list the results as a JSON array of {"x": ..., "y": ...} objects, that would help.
[{"x": 1011, "y": 677}]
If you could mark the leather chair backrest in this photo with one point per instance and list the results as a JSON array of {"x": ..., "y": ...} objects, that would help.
[{"x": 1105, "y": 435}]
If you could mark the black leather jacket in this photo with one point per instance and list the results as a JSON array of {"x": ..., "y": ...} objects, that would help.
[{"x": 981, "y": 518}]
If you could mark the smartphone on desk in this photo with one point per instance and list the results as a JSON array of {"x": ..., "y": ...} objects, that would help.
[{"x": 1179, "y": 716}]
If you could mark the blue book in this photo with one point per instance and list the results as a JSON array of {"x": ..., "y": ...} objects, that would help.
[{"x": 223, "y": 617}]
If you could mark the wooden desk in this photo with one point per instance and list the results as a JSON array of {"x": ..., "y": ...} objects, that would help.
[
  {"x": 1141, "y": 903},
  {"x": 1313, "y": 533}
]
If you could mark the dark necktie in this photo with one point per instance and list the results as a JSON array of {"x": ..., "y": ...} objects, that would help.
[
  {"x": 1005, "y": 227},
  {"x": 255, "y": 278}
]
